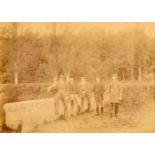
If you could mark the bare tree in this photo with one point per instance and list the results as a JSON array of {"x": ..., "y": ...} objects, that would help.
[{"x": 15, "y": 51}]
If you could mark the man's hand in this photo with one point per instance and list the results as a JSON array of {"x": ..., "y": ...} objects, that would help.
[{"x": 120, "y": 99}]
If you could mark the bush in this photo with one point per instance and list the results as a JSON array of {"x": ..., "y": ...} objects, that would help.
[
  {"x": 20, "y": 92},
  {"x": 136, "y": 93}
]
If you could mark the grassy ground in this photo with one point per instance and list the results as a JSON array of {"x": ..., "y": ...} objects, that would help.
[{"x": 130, "y": 119}]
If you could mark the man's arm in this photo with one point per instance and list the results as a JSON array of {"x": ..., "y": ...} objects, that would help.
[{"x": 53, "y": 86}]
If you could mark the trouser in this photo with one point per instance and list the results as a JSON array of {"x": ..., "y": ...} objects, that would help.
[
  {"x": 114, "y": 109},
  {"x": 63, "y": 97},
  {"x": 99, "y": 104},
  {"x": 85, "y": 96},
  {"x": 73, "y": 102}
]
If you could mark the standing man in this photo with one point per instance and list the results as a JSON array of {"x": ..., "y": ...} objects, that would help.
[
  {"x": 115, "y": 95},
  {"x": 62, "y": 95},
  {"x": 72, "y": 88},
  {"x": 98, "y": 91},
  {"x": 84, "y": 93}
]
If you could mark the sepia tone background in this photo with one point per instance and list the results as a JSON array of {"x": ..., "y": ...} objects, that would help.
[{"x": 32, "y": 54}]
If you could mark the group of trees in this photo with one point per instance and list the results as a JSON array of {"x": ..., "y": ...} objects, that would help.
[{"x": 31, "y": 57}]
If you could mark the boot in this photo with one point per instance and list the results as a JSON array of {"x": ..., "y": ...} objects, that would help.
[
  {"x": 79, "y": 110},
  {"x": 116, "y": 110},
  {"x": 88, "y": 110},
  {"x": 102, "y": 110},
  {"x": 97, "y": 111}
]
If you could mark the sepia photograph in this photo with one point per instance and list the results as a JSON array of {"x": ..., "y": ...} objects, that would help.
[{"x": 77, "y": 77}]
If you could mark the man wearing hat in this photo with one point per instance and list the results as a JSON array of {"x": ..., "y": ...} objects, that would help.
[
  {"x": 72, "y": 88},
  {"x": 62, "y": 95},
  {"x": 84, "y": 94},
  {"x": 115, "y": 95},
  {"x": 98, "y": 91}
]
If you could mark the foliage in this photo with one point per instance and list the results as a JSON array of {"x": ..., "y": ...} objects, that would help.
[{"x": 40, "y": 58}]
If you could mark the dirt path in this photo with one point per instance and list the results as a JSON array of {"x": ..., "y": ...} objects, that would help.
[{"x": 129, "y": 120}]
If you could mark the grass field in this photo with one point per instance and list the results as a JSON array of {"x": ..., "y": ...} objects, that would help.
[{"x": 130, "y": 119}]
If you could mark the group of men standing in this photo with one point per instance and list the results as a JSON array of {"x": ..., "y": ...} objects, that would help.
[{"x": 78, "y": 95}]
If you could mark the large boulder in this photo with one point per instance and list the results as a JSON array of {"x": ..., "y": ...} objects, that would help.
[{"x": 29, "y": 114}]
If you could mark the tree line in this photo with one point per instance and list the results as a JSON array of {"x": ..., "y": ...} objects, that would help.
[{"x": 29, "y": 57}]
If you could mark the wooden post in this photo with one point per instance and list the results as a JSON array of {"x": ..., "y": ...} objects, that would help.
[
  {"x": 139, "y": 73},
  {"x": 15, "y": 73}
]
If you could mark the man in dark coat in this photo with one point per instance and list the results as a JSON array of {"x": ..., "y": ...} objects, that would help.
[
  {"x": 98, "y": 91},
  {"x": 72, "y": 88},
  {"x": 84, "y": 93}
]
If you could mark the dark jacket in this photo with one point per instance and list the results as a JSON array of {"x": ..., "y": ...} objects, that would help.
[{"x": 98, "y": 89}]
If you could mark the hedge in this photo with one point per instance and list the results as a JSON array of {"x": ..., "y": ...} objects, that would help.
[
  {"x": 133, "y": 92},
  {"x": 20, "y": 92}
]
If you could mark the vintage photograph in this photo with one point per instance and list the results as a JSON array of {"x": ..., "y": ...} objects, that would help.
[{"x": 77, "y": 77}]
